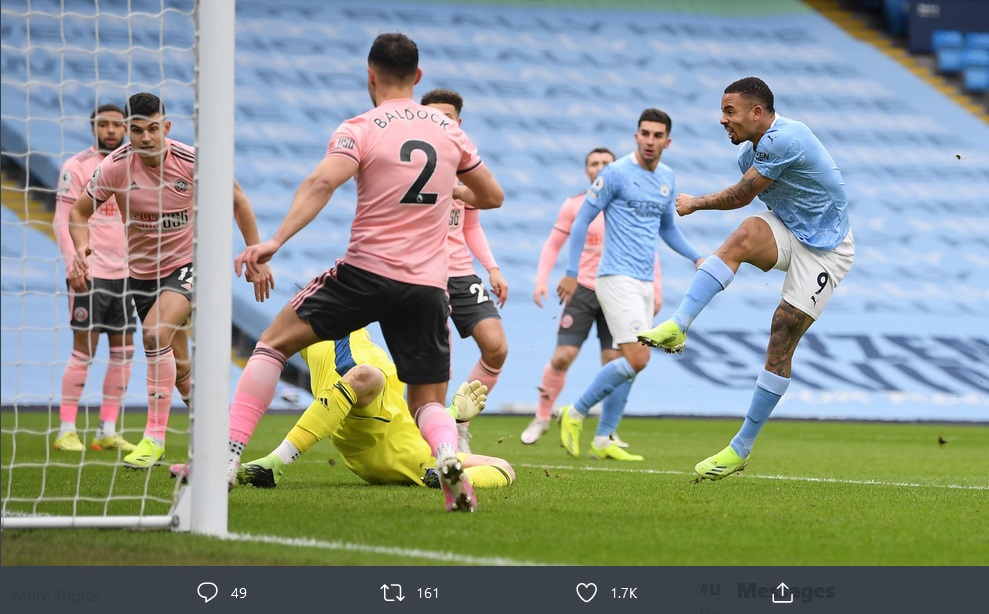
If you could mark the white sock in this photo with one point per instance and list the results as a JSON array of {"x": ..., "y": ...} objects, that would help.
[
  {"x": 601, "y": 441},
  {"x": 105, "y": 429},
  {"x": 287, "y": 452},
  {"x": 66, "y": 427}
]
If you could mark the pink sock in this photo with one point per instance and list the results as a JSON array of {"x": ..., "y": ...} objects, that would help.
[
  {"x": 115, "y": 383},
  {"x": 484, "y": 373},
  {"x": 161, "y": 382},
  {"x": 255, "y": 390},
  {"x": 73, "y": 382},
  {"x": 184, "y": 386},
  {"x": 437, "y": 426},
  {"x": 553, "y": 381}
]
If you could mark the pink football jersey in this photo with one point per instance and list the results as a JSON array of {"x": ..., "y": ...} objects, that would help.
[
  {"x": 467, "y": 241},
  {"x": 157, "y": 204},
  {"x": 106, "y": 228},
  {"x": 590, "y": 258},
  {"x": 408, "y": 157}
]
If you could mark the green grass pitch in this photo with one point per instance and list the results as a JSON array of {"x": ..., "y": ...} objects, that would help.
[{"x": 815, "y": 493}]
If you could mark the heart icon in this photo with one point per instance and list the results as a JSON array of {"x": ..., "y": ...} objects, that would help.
[{"x": 586, "y": 591}]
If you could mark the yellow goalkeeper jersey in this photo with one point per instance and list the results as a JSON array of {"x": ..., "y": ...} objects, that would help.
[{"x": 380, "y": 443}]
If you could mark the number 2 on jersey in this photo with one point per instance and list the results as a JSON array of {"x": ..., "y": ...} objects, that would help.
[{"x": 415, "y": 195}]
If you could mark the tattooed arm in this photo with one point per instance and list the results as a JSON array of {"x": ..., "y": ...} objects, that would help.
[{"x": 737, "y": 196}]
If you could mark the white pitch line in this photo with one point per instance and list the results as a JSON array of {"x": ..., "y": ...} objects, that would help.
[
  {"x": 765, "y": 477},
  {"x": 415, "y": 553}
]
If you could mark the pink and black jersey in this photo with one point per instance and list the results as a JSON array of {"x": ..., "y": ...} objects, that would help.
[
  {"x": 408, "y": 157},
  {"x": 157, "y": 203},
  {"x": 106, "y": 228},
  {"x": 590, "y": 257}
]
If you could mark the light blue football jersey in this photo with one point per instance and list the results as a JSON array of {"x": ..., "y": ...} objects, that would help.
[
  {"x": 807, "y": 193},
  {"x": 634, "y": 201}
]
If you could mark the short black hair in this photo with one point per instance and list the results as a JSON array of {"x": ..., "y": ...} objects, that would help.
[
  {"x": 754, "y": 89},
  {"x": 655, "y": 115},
  {"x": 441, "y": 96},
  {"x": 394, "y": 56},
  {"x": 144, "y": 105},
  {"x": 603, "y": 150},
  {"x": 104, "y": 108}
]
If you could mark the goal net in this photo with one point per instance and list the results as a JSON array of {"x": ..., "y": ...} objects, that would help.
[{"x": 63, "y": 59}]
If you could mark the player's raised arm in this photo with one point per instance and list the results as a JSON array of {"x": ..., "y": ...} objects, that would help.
[
  {"x": 737, "y": 196},
  {"x": 487, "y": 193},
  {"x": 312, "y": 195}
]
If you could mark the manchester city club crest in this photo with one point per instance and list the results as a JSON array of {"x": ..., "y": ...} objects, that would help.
[{"x": 664, "y": 190}]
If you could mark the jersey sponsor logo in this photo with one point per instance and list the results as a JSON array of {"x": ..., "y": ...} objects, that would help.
[
  {"x": 181, "y": 185},
  {"x": 646, "y": 208},
  {"x": 761, "y": 156},
  {"x": 167, "y": 222},
  {"x": 80, "y": 314},
  {"x": 345, "y": 142}
]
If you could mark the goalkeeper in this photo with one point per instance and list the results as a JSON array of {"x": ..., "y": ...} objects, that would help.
[{"x": 360, "y": 406}]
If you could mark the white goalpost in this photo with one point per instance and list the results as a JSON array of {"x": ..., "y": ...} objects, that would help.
[{"x": 61, "y": 59}]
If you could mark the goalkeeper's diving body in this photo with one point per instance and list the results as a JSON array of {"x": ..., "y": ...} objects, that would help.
[{"x": 360, "y": 406}]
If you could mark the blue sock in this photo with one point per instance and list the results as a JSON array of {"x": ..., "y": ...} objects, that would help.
[
  {"x": 613, "y": 408},
  {"x": 769, "y": 387},
  {"x": 608, "y": 378},
  {"x": 712, "y": 277}
]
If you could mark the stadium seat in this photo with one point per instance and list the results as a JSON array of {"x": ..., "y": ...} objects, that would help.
[
  {"x": 977, "y": 40},
  {"x": 976, "y": 79},
  {"x": 975, "y": 57},
  {"x": 950, "y": 60},
  {"x": 946, "y": 38}
]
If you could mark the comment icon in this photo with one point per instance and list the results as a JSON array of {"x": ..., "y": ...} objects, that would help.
[{"x": 207, "y": 590}]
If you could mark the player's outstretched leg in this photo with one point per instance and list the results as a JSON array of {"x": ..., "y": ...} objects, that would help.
[{"x": 667, "y": 336}]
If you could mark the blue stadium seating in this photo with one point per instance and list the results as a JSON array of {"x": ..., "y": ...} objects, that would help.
[
  {"x": 545, "y": 85},
  {"x": 947, "y": 38},
  {"x": 976, "y": 79},
  {"x": 950, "y": 60},
  {"x": 977, "y": 40}
]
